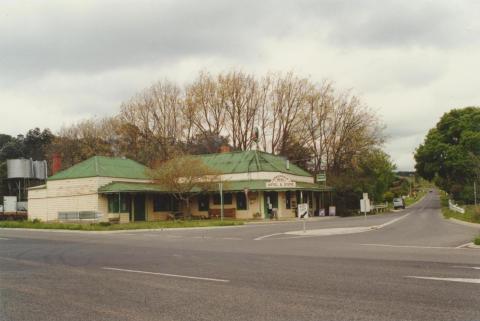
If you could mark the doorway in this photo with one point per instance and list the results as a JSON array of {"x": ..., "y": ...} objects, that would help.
[
  {"x": 139, "y": 207},
  {"x": 270, "y": 201}
]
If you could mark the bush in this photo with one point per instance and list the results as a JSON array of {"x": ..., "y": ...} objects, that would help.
[
  {"x": 104, "y": 223},
  {"x": 36, "y": 221},
  {"x": 388, "y": 196},
  {"x": 477, "y": 241}
]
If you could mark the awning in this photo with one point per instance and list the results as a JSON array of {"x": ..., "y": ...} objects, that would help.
[{"x": 232, "y": 186}]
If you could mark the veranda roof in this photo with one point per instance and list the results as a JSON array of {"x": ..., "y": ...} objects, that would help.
[{"x": 231, "y": 186}]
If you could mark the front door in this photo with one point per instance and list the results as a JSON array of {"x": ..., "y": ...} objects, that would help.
[
  {"x": 139, "y": 207},
  {"x": 270, "y": 201}
]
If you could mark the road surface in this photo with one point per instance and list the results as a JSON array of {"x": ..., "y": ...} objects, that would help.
[{"x": 411, "y": 269}]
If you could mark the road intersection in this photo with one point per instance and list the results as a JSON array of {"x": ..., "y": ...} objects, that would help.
[{"x": 408, "y": 265}]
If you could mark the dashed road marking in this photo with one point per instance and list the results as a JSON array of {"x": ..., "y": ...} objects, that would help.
[
  {"x": 166, "y": 274},
  {"x": 461, "y": 280},
  {"x": 466, "y": 267}
]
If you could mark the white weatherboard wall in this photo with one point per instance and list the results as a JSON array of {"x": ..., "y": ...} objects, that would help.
[{"x": 69, "y": 195}]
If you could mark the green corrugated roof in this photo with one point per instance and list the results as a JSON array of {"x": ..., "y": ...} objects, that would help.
[
  {"x": 253, "y": 185},
  {"x": 116, "y": 187},
  {"x": 250, "y": 161},
  {"x": 100, "y": 166}
]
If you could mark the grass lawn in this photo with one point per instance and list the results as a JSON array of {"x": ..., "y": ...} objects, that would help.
[{"x": 114, "y": 227}]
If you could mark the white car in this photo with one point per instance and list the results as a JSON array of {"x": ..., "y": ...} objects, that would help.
[{"x": 398, "y": 203}]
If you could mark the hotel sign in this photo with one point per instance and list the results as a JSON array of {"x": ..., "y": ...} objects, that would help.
[{"x": 280, "y": 181}]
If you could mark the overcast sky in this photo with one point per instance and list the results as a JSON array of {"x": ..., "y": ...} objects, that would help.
[{"x": 62, "y": 61}]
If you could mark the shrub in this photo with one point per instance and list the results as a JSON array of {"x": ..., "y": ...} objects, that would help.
[
  {"x": 388, "y": 196},
  {"x": 477, "y": 241},
  {"x": 36, "y": 221},
  {"x": 104, "y": 223}
]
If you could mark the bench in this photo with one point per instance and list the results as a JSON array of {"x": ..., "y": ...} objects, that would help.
[{"x": 227, "y": 212}]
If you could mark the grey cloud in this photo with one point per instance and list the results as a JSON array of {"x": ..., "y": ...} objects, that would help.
[
  {"x": 105, "y": 35},
  {"x": 111, "y": 35},
  {"x": 398, "y": 23}
]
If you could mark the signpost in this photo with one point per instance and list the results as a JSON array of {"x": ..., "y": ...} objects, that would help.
[
  {"x": 302, "y": 210},
  {"x": 365, "y": 204}
]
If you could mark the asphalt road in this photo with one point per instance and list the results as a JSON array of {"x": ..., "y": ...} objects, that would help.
[{"x": 411, "y": 269}]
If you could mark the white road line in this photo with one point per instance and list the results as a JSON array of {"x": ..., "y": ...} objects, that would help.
[
  {"x": 293, "y": 237},
  {"x": 4, "y": 238},
  {"x": 265, "y": 236},
  {"x": 166, "y": 274},
  {"x": 232, "y": 238},
  {"x": 463, "y": 245},
  {"x": 462, "y": 280},
  {"x": 411, "y": 246},
  {"x": 466, "y": 267}
]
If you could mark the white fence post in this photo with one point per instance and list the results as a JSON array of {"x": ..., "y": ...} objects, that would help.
[{"x": 455, "y": 207}]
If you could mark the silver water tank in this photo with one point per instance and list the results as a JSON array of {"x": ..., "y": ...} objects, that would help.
[
  {"x": 19, "y": 168},
  {"x": 40, "y": 170}
]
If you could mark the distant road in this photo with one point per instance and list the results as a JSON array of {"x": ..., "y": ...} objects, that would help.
[{"x": 411, "y": 269}]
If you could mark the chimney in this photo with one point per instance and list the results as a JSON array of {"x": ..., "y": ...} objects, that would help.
[
  {"x": 224, "y": 149},
  {"x": 56, "y": 163}
]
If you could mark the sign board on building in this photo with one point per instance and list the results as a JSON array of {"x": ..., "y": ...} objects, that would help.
[
  {"x": 321, "y": 177},
  {"x": 302, "y": 210},
  {"x": 280, "y": 181}
]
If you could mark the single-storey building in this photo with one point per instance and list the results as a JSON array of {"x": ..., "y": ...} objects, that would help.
[{"x": 255, "y": 184}]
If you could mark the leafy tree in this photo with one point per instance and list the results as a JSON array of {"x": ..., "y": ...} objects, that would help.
[
  {"x": 450, "y": 153},
  {"x": 14, "y": 148},
  {"x": 184, "y": 177},
  {"x": 36, "y": 143},
  {"x": 372, "y": 172}
]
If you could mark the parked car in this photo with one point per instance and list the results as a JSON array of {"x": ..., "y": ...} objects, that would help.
[{"x": 398, "y": 203}]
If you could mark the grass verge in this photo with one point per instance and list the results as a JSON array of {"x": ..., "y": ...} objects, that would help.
[
  {"x": 412, "y": 200},
  {"x": 115, "y": 227},
  {"x": 471, "y": 214}
]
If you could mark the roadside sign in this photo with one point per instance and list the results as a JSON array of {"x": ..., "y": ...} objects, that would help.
[
  {"x": 302, "y": 210},
  {"x": 321, "y": 177}
]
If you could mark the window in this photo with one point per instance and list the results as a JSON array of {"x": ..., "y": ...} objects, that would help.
[
  {"x": 241, "y": 201},
  {"x": 203, "y": 202},
  {"x": 116, "y": 205},
  {"x": 165, "y": 203},
  {"x": 227, "y": 199},
  {"x": 288, "y": 196}
]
